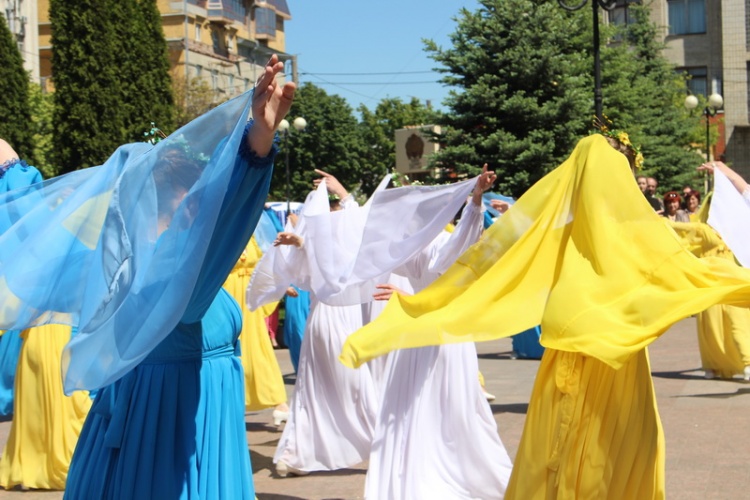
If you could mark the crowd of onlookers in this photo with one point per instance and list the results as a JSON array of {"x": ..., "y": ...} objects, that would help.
[{"x": 677, "y": 207}]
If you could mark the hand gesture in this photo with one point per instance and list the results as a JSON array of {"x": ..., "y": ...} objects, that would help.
[
  {"x": 387, "y": 291},
  {"x": 500, "y": 205},
  {"x": 285, "y": 238},
  {"x": 332, "y": 184},
  {"x": 484, "y": 182},
  {"x": 292, "y": 292},
  {"x": 271, "y": 103}
]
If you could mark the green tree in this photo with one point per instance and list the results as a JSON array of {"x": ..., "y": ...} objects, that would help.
[
  {"x": 378, "y": 130},
  {"x": 15, "y": 116},
  {"x": 331, "y": 142},
  {"x": 41, "y": 105},
  {"x": 110, "y": 75},
  {"x": 645, "y": 96},
  {"x": 146, "y": 78},
  {"x": 192, "y": 99},
  {"x": 521, "y": 96}
]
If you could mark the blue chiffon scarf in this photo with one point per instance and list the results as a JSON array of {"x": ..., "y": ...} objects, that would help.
[{"x": 90, "y": 248}]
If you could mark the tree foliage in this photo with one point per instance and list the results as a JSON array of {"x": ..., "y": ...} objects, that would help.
[
  {"x": 520, "y": 95},
  {"x": 645, "y": 95},
  {"x": 521, "y": 72},
  {"x": 110, "y": 75},
  {"x": 15, "y": 116},
  {"x": 330, "y": 142},
  {"x": 42, "y": 105}
]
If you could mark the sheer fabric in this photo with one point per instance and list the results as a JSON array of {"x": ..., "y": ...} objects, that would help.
[
  {"x": 728, "y": 214},
  {"x": 370, "y": 240},
  {"x": 120, "y": 231},
  {"x": 602, "y": 274}
]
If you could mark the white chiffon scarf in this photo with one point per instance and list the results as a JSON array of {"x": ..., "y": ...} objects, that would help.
[
  {"x": 347, "y": 252},
  {"x": 729, "y": 215}
]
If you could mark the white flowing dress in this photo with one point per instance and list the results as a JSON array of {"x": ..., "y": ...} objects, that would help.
[
  {"x": 332, "y": 412},
  {"x": 436, "y": 436}
]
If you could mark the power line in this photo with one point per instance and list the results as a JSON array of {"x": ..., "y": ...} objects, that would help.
[
  {"x": 381, "y": 83},
  {"x": 370, "y": 74}
]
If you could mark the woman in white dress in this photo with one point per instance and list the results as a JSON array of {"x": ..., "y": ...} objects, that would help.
[
  {"x": 332, "y": 412},
  {"x": 436, "y": 436}
]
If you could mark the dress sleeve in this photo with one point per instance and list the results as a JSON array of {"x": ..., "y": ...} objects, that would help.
[
  {"x": 239, "y": 214},
  {"x": 467, "y": 232}
]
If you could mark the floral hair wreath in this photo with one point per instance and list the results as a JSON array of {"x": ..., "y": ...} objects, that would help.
[{"x": 605, "y": 128}]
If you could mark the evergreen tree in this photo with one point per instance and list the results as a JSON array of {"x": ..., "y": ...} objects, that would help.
[
  {"x": 148, "y": 83},
  {"x": 645, "y": 96},
  {"x": 111, "y": 77},
  {"x": 15, "y": 117},
  {"x": 522, "y": 98},
  {"x": 330, "y": 142}
]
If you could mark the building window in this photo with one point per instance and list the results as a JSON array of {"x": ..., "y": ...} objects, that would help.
[
  {"x": 247, "y": 84},
  {"x": 687, "y": 16},
  {"x": 265, "y": 21},
  {"x": 230, "y": 79},
  {"x": 214, "y": 79},
  {"x": 197, "y": 31},
  {"x": 621, "y": 14},
  {"x": 198, "y": 70},
  {"x": 698, "y": 82}
]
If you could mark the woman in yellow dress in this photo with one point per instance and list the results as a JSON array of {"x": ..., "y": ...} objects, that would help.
[
  {"x": 723, "y": 330},
  {"x": 46, "y": 423},
  {"x": 604, "y": 277},
  {"x": 264, "y": 384}
]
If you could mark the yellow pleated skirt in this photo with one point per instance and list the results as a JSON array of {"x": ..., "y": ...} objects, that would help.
[
  {"x": 591, "y": 432},
  {"x": 46, "y": 423},
  {"x": 724, "y": 339},
  {"x": 264, "y": 383}
]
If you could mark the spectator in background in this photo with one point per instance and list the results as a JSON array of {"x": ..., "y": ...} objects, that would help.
[
  {"x": 651, "y": 185},
  {"x": 692, "y": 205},
  {"x": 642, "y": 181},
  {"x": 672, "y": 210}
]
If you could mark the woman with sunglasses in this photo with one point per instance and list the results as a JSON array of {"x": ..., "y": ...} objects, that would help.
[{"x": 672, "y": 210}]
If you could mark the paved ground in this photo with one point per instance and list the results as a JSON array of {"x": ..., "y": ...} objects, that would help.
[{"x": 705, "y": 422}]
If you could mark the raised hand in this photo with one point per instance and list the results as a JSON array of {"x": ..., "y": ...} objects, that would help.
[
  {"x": 484, "y": 182},
  {"x": 271, "y": 103},
  {"x": 285, "y": 238},
  {"x": 332, "y": 184}
]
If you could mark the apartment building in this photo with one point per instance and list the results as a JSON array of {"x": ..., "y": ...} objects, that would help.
[
  {"x": 710, "y": 40},
  {"x": 21, "y": 16},
  {"x": 226, "y": 43}
]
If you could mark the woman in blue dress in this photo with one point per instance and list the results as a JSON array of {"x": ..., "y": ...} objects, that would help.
[
  {"x": 173, "y": 427},
  {"x": 14, "y": 173}
]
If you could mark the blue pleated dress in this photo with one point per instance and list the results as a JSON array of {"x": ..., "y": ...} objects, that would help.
[
  {"x": 296, "y": 310},
  {"x": 10, "y": 348},
  {"x": 174, "y": 426},
  {"x": 14, "y": 174}
]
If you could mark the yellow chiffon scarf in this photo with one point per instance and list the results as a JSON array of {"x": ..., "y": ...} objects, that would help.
[{"x": 583, "y": 254}]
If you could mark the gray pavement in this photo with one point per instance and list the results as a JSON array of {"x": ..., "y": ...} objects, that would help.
[{"x": 705, "y": 423}]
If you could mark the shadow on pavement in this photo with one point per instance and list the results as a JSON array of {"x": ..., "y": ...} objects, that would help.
[
  {"x": 520, "y": 408},
  {"x": 719, "y": 395},
  {"x": 694, "y": 374},
  {"x": 497, "y": 355}
]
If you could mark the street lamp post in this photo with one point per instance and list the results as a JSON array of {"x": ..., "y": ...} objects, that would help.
[
  {"x": 715, "y": 103},
  {"x": 299, "y": 125},
  {"x": 595, "y": 4}
]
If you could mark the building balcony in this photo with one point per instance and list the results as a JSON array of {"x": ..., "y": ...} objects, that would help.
[{"x": 215, "y": 52}]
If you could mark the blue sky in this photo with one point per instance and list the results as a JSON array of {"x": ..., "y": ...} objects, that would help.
[{"x": 336, "y": 41}]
